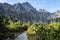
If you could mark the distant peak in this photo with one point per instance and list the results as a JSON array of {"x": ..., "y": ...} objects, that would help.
[
  {"x": 42, "y": 10},
  {"x": 58, "y": 11}
]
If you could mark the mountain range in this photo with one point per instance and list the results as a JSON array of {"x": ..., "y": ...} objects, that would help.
[{"x": 26, "y": 12}]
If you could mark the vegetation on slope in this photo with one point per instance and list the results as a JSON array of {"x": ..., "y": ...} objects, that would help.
[
  {"x": 49, "y": 31},
  {"x": 10, "y": 28}
]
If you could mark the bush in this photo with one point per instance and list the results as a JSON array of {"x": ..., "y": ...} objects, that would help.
[
  {"x": 44, "y": 31},
  {"x": 9, "y": 28}
]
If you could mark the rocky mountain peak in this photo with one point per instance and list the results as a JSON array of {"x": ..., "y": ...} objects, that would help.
[
  {"x": 27, "y": 6},
  {"x": 43, "y": 11},
  {"x": 6, "y": 5},
  {"x": 26, "y": 3},
  {"x": 58, "y": 11},
  {"x": 25, "y": 12},
  {"x": 18, "y": 4},
  {"x": 18, "y": 7}
]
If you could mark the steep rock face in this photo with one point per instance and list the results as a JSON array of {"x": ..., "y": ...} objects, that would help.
[
  {"x": 57, "y": 16},
  {"x": 18, "y": 7},
  {"x": 27, "y": 6},
  {"x": 26, "y": 12},
  {"x": 33, "y": 13},
  {"x": 19, "y": 12},
  {"x": 6, "y": 5},
  {"x": 57, "y": 13},
  {"x": 45, "y": 15}
]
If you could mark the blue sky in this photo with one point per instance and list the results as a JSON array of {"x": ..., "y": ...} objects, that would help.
[{"x": 49, "y": 5}]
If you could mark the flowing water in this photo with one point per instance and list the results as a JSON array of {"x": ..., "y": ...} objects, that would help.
[{"x": 22, "y": 36}]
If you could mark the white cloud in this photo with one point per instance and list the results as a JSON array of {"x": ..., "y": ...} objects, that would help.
[
  {"x": 2, "y": 1},
  {"x": 9, "y": 1},
  {"x": 12, "y": 1}
]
